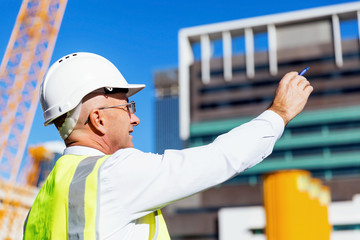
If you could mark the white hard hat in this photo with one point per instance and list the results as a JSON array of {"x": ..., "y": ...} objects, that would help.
[{"x": 74, "y": 76}]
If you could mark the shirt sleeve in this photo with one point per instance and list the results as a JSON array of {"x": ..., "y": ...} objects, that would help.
[{"x": 143, "y": 182}]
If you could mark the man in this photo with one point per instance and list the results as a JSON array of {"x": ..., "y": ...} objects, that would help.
[{"x": 103, "y": 188}]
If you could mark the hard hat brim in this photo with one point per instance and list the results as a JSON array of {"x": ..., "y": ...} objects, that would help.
[{"x": 134, "y": 88}]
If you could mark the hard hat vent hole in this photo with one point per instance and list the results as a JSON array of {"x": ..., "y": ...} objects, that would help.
[
  {"x": 75, "y": 54},
  {"x": 60, "y": 109}
]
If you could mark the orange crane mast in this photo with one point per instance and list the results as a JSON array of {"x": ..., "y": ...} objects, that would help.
[{"x": 26, "y": 59}]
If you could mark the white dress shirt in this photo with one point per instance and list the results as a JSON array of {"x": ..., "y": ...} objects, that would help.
[{"x": 134, "y": 183}]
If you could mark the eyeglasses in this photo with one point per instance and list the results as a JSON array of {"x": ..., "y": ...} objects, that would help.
[{"x": 130, "y": 108}]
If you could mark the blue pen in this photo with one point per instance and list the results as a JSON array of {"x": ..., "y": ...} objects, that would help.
[{"x": 304, "y": 71}]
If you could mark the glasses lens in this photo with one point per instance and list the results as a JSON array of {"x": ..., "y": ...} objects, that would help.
[{"x": 132, "y": 107}]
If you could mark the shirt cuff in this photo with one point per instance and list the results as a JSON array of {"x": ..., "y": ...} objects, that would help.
[{"x": 275, "y": 120}]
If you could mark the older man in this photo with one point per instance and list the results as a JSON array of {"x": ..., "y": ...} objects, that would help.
[{"x": 103, "y": 188}]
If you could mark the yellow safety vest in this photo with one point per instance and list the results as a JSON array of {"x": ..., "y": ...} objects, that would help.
[{"x": 66, "y": 206}]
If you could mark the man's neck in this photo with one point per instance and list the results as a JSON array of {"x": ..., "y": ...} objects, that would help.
[
  {"x": 92, "y": 141},
  {"x": 82, "y": 150}
]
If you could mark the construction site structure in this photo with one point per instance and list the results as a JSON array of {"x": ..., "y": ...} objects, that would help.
[{"x": 26, "y": 59}]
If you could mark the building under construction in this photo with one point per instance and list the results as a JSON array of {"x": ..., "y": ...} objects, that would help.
[{"x": 227, "y": 75}]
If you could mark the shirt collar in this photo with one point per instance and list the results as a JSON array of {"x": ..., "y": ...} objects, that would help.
[{"x": 82, "y": 150}]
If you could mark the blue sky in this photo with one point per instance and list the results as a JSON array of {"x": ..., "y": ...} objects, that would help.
[{"x": 139, "y": 37}]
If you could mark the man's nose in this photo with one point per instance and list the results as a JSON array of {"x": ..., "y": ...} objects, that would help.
[{"x": 134, "y": 119}]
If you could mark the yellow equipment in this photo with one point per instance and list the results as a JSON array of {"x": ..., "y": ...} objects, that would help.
[{"x": 296, "y": 206}]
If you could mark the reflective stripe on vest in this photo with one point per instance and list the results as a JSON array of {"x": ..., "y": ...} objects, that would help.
[
  {"x": 157, "y": 226},
  {"x": 81, "y": 202},
  {"x": 66, "y": 206}
]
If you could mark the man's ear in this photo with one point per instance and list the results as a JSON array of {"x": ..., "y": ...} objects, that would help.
[{"x": 97, "y": 121}]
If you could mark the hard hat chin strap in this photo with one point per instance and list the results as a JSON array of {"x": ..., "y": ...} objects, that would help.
[{"x": 70, "y": 121}]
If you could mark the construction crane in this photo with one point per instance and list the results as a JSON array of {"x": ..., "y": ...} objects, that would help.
[{"x": 26, "y": 59}]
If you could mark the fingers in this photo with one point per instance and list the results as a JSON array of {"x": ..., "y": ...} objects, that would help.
[
  {"x": 308, "y": 90},
  {"x": 303, "y": 83},
  {"x": 289, "y": 77},
  {"x": 295, "y": 79}
]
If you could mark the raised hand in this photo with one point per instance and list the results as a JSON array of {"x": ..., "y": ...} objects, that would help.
[{"x": 291, "y": 96}]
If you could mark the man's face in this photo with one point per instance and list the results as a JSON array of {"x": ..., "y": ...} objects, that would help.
[{"x": 119, "y": 122}]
